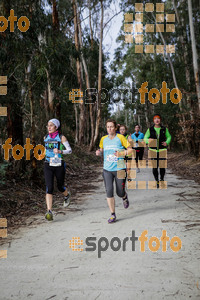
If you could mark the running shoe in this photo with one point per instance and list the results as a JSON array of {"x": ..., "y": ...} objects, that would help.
[
  {"x": 49, "y": 215},
  {"x": 67, "y": 200},
  {"x": 157, "y": 184},
  {"x": 138, "y": 170},
  {"x": 162, "y": 185},
  {"x": 126, "y": 202},
  {"x": 112, "y": 219}
]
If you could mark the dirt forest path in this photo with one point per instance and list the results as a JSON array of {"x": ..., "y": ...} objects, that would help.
[{"x": 40, "y": 264}]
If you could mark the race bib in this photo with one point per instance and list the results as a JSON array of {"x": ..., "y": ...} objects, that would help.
[
  {"x": 112, "y": 158},
  {"x": 55, "y": 161}
]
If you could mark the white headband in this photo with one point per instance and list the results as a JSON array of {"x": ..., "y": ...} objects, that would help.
[{"x": 55, "y": 122}]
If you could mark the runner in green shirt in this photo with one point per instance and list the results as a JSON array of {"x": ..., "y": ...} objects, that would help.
[{"x": 158, "y": 138}]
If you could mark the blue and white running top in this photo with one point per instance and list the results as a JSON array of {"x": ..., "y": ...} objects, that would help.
[
  {"x": 50, "y": 144},
  {"x": 119, "y": 143}
]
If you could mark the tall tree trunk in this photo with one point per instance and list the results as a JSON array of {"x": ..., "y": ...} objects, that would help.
[
  {"x": 76, "y": 122},
  {"x": 88, "y": 126},
  {"x": 58, "y": 110},
  {"x": 90, "y": 98},
  {"x": 32, "y": 120},
  {"x": 185, "y": 56},
  {"x": 49, "y": 97},
  {"x": 55, "y": 17},
  {"x": 51, "y": 93},
  {"x": 146, "y": 114},
  {"x": 126, "y": 117},
  {"x": 194, "y": 53},
  {"x": 138, "y": 119},
  {"x": 170, "y": 63},
  {"x": 33, "y": 141},
  {"x": 15, "y": 121},
  {"x": 99, "y": 79},
  {"x": 78, "y": 68},
  {"x": 87, "y": 80},
  {"x": 175, "y": 81},
  {"x": 90, "y": 23},
  {"x": 46, "y": 103}
]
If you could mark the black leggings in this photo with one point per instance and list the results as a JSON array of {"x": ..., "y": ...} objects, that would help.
[
  {"x": 109, "y": 177},
  {"x": 49, "y": 173},
  {"x": 139, "y": 154},
  {"x": 155, "y": 170},
  {"x": 162, "y": 173}
]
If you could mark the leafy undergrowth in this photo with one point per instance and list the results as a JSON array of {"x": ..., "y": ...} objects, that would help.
[
  {"x": 21, "y": 198},
  {"x": 184, "y": 165}
]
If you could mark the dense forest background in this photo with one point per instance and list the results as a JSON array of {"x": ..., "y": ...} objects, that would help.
[{"x": 59, "y": 53}]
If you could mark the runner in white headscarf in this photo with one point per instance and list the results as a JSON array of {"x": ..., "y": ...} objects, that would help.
[{"x": 56, "y": 145}]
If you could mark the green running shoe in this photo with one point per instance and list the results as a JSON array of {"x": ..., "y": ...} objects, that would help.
[{"x": 49, "y": 215}]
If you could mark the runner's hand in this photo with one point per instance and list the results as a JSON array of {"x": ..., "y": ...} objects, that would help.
[
  {"x": 117, "y": 153},
  {"x": 164, "y": 144},
  {"x": 98, "y": 152},
  {"x": 55, "y": 150}
]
